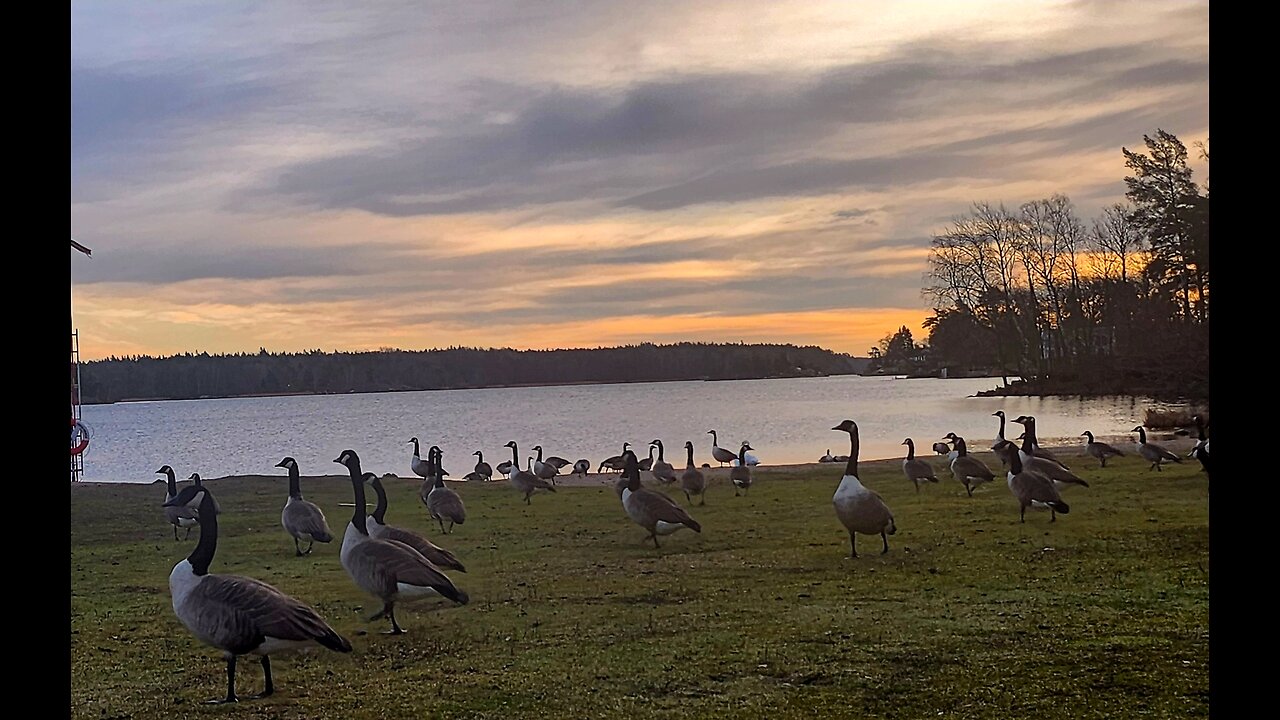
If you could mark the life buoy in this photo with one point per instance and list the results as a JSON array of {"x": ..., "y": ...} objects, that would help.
[{"x": 78, "y": 429}]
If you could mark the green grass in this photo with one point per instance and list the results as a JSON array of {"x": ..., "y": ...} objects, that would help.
[{"x": 1104, "y": 613}]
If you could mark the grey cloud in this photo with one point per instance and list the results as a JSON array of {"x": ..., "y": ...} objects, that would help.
[{"x": 213, "y": 259}]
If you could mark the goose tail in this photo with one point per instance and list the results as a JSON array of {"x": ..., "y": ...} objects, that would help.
[
  {"x": 332, "y": 640},
  {"x": 893, "y": 527},
  {"x": 323, "y": 537},
  {"x": 1059, "y": 506}
]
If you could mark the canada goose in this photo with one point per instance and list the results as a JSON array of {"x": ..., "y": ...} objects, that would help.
[
  {"x": 827, "y": 458},
  {"x": 195, "y": 477},
  {"x": 646, "y": 463},
  {"x": 558, "y": 461},
  {"x": 443, "y": 503},
  {"x": 1032, "y": 460},
  {"x": 916, "y": 469},
  {"x": 967, "y": 469},
  {"x": 483, "y": 469},
  {"x": 617, "y": 462},
  {"x": 416, "y": 464},
  {"x": 749, "y": 459},
  {"x": 504, "y": 467},
  {"x": 1029, "y": 423},
  {"x": 1000, "y": 441},
  {"x": 1099, "y": 450},
  {"x": 378, "y": 528},
  {"x": 582, "y": 467},
  {"x": 1157, "y": 454},
  {"x": 240, "y": 615},
  {"x": 1031, "y": 488},
  {"x": 524, "y": 480},
  {"x": 740, "y": 474},
  {"x": 302, "y": 519},
  {"x": 1201, "y": 449},
  {"x": 180, "y": 516},
  {"x": 661, "y": 469},
  {"x": 943, "y": 449},
  {"x": 718, "y": 453},
  {"x": 650, "y": 509},
  {"x": 387, "y": 569},
  {"x": 544, "y": 470},
  {"x": 859, "y": 508},
  {"x": 692, "y": 481}
]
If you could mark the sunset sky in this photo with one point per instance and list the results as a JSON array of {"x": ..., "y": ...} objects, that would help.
[{"x": 571, "y": 174}]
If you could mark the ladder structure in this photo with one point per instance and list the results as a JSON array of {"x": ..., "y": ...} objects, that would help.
[{"x": 77, "y": 459}]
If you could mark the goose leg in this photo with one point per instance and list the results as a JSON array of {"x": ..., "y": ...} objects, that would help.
[
  {"x": 703, "y": 499},
  {"x": 297, "y": 549},
  {"x": 1022, "y": 514},
  {"x": 231, "y": 684},
  {"x": 885, "y": 538},
  {"x": 969, "y": 489},
  {"x": 1053, "y": 516},
  {"x": 310, "y": 546},
  {"x": 175, "y": 533},
  {"x": 395, "y": 626},
  {"x": 266, "y": 673},
  {"x": 655, "y": 540},
  {"x": 441, "y": 524},
  {"x": 188, "y": 535},
  {"x": 853, "y": 546}
]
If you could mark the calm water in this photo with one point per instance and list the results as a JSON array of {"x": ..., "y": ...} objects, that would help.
[{"x": 786, "y": 421}]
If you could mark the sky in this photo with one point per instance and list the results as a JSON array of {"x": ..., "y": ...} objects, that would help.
[{"x": 295, "y": 175}]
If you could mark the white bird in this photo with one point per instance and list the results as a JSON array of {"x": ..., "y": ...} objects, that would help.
[{"x": 240, "y": 615}]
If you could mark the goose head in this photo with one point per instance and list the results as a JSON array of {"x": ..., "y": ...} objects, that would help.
[
  {"x": 688, "y": 445},
  {"x": 848, "y": 426},
  {"x": 349, "y": 459},
  {"x": 288, "y": 463},
  {"x": 631, "y": 471},
  {"x": 951, "y": 437},
  {"x": 164, "y": 470},
  {"x": 998, "y": 413},
  {"x": 1087, "y": 434}
]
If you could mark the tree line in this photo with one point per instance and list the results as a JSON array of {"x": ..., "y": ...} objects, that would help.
[
  {"x": 1119, "y": 304},
  {"x": 195, "y": 375}
]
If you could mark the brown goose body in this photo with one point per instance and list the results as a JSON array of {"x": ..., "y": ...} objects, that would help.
[
  {"x": 378, "y": 528},
  {"x": 1098, "y": 450},
  {"x": 303, "y": 520},
  {"x": 661, "y": 469},
  {"x": 1052, "y": 469},
  {"x": 650, "y": 509},
  {"x": 967, "y": 469},
  {"x": 1032, "y": 489},
  {"x": 916, "y": 469},
  {"x": 443, "y": 502},
  {"x": 692, "y": 481},
  {"x": 241, "y": 615},
  {"x": 1154, "y": 453},
  {"x": 387, "y": 569},
  {"x": 859, "y": 508}
]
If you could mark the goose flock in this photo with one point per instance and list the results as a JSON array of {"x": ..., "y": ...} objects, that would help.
[{"x": 395, "y": 565}]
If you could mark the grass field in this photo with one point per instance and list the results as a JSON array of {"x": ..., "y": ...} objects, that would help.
[{"x": 1104, "y": 613}]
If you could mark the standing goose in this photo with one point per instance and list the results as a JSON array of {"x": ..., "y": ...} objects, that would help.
[
  {"x": 378, "y": 528},
  {"x": 718, "y": 453},
  {"x": 524, "y": 480},
  {"x": 650, "y": 509},
  {"x": 387, "y": 569},
  {"x": 827, "y": 458},
  {"x": 240, "y": 615},
  {"x": 616, "y": 462},
  {"x": 1029, "y": 423},
  {"x": 1201, "y": 449},
  {"x": 647, "y": 463},
  {"x": 504, "y": 467},
  {"x": 544, "y": 470},
  {"x": 1000, "y": 441},
  {"x": 692, "y": 481},
  {"x": 1052, "y": 469},
  {"x": 740, "y": 475},
  {"x": 941, "y": 448},
  {"x": 483, "y": 469},
  {"x": 443, "y": 503},
  {"x": 558, "y": 461},
  {"x": 858, "y": 507},
  {"x": 969, "y": 470},
  {"x": 418, "y": 467},
  {"x": 1156, "y": 454},
  {"x": 661, "y": 469},
  {"x": 1099, "y": 450},
  {"x": 184, "y": 515},
  {"x": 303, "y": 520},
  {"x": 582, "y": 467},
  {"x": 749, "y": 459},
  {"x": 1031, "y": 488},
  {"x": 914, "y": 468}
]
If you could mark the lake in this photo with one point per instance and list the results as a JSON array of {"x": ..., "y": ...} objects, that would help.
[{"x": 785, "y": 420}]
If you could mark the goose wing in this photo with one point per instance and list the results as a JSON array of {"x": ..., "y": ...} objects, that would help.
[
  {"x": 435, "y": 554},
  {"x": 662, "y": 508},
  {"x": 239, "y": 613},
  {"x": 306, "y": 518},
  {"x": 1035, "y": 487},
  {"x": 392, "y": 563},
  {"x": 1053, "y": 471},
  {"x": 969, "y": 466},
  {"x": 918, "y": 468},
  {"x": 447, "y": 504}
]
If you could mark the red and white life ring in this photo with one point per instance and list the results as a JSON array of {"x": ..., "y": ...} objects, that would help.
[{"x": 82, "y": 432}]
